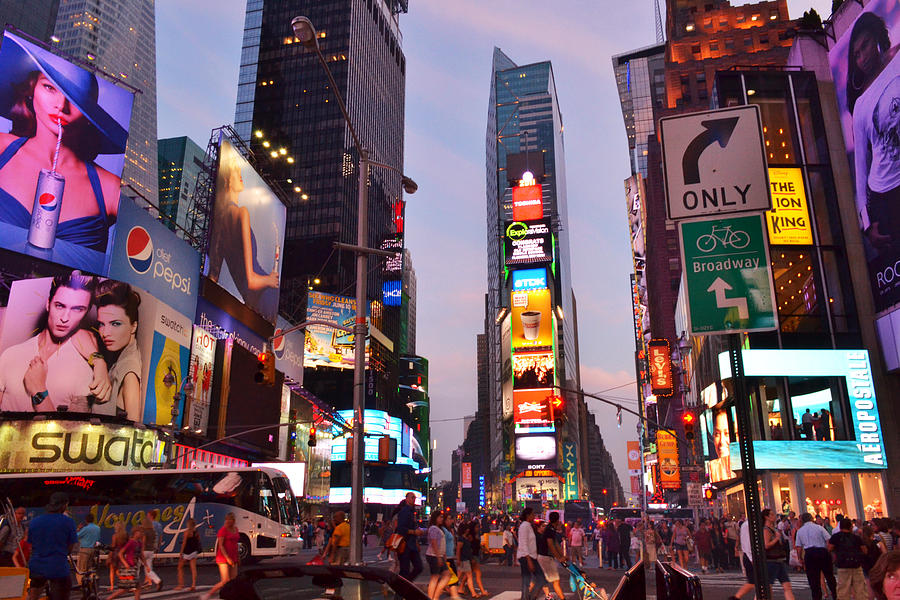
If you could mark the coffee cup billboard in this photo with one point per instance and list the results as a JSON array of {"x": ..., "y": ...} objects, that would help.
[
  {"x": 59, "y": 210},
  {"x": 532, "y": 323}
]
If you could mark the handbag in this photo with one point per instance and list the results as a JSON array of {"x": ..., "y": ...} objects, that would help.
[
  {"x": 129, "y": 577},
  {"x": 453, "y": 578},
  {"x": 396, "y": 543},
  {"x": 778, "y": 551}
]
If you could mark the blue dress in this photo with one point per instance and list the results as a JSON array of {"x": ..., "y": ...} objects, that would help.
[{"x": 91, "y": 232}]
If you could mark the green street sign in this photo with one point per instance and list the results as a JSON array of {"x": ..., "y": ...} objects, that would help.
[{"x": 727, "y": 275}]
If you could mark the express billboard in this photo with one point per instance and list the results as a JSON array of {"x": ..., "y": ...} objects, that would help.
[
  {"x": 50, "y": 107},
  {"x": 667, "y": 452},
  {"x": 246, "y": 234},
  {"x": 325, "y": 345},
  {"x": 866, "y": 73},
  {"x": 528, "y": 243},
  {"x": 84, "y": 344}
]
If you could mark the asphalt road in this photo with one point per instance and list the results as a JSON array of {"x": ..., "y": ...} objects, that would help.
[{"x": 501, "y": 582}]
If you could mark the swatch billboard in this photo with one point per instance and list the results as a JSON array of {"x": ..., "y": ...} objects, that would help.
[
  {"x": 866, "y": 72},
  {"x": 78, "y": 122},
  {"x": 147, "y": 254},
  {"x": 83, "y": 344},
  {"x": 246, "y": 234}
]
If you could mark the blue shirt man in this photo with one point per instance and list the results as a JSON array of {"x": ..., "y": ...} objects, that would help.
[
  {"x": 52, "y": 537},
  {"x": 89, "y": 535}
]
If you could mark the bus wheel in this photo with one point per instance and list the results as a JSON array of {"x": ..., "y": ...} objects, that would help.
[{"x": 244, "y": 552}]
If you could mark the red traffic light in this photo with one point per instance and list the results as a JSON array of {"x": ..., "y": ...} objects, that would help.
[
  {"x": 688, "y": 419},
  {"x": 261, "y": 357}
]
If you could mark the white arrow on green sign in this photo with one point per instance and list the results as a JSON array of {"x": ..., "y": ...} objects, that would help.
[{"x": 728, "y": 275}]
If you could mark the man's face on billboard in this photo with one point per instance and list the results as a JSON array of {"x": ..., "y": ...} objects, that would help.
[{"x": 65, "y": 311}]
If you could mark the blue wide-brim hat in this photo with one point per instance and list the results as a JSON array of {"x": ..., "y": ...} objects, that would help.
[{"x": 18, "y": 59}]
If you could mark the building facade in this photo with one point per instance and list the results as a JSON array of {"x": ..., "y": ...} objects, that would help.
[
  {"x": 37, "y": 18},
  {"x": 180, "y": 163},
  {"x": 120, "y": 39}
]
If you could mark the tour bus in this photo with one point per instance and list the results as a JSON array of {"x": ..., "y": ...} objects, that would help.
[
  {"x": 266, "y": 511},
  {"x": 632, "y": 516}
]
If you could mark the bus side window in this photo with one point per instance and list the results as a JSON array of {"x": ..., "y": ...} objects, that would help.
[{"x": 267, "y": 504}]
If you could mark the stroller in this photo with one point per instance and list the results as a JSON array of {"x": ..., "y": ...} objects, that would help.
[{"x": 584, "y": 589}]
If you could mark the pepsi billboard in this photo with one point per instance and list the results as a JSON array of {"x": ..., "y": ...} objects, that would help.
[
  {"x": 62, "y": 207},
  {"x": 147, "y": 254},
  {"x": 288, "y": 350},
  {"x": 392, "y": 293}
]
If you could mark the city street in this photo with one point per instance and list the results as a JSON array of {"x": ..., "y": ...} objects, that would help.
[{"x": 502, "y": 582}]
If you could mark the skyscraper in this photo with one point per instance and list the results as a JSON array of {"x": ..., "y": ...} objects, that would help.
[
  {"x": 285, "y": 102},
  {"x": 35, "y": 17},
  {"x": 120, "y": 39},
  {"x": 180, "y": 163}
]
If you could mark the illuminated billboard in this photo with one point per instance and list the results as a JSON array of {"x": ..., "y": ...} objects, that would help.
[
  {"x": 527, "y": 204},
  {"x": 866, "y": 71},
  {"x": 788, "y": 219},
  {"x": 536, "y": 450},
  {"x": 200, "y": 374},
  {"x": 89, "y": 322},
  {"x": 533, "y": 370},
  {"x": 634, "y": 202},
  {"x": 660, "y": 362},
  {"x": 532, "y": 325},
  {"x": 392, "y": 292},
  {"x": 466, "y": 476},
  {"x": 246, "y": 240},
  {"x": 528, "y": 243},
  {"x": 533, "y": 407},
  {"x": 667, "y": 453},
  {"x": 854, "y": 367},
  {"x": 51, "y": 107},
  {"x": 377, "y": 424},
  {"x": 326, "y": 346}
]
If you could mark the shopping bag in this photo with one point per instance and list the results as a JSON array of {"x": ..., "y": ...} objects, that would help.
[
  {"x": 396, "y": 543},
  {"x": 318, "y": 559}
]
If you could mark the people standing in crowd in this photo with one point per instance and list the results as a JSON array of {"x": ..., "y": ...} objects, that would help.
[
  {"x": 385, "y": 531},
  {"x": 624, "y": 532},
  {"x": 532, "y": 577},
  {"x": 576, "y": 544},
  {"x": 811, "y": 542},
  {"x": 719, "y": 557},
  {"x": 652, "y": 542},
  {"x": 776, "y": 547},
  {"x": 130, "y": 558},
  {"x": 409, "y": 559},
  {"x": 849, "y": 552},
  {"x": 52, "y": 537},
  {"x": 436, "y": 555},
  {"x": 190, "y": 550},
  {"x": 88, "y": 539},
  {"x": 732, "y": 534},
  {"x": 119, "y": 539},
  {"x": 150, "y": 542},
  {"x": 227, "y": 554},
  {"x": 11, "y": 534},
  {"x": 882, "y": 528},
  {"x": 338, "y": 548},
  {"x": 611, "y": 544},
  {"x": 509, "y": 544},
  {"x": 873, "y": 549}
]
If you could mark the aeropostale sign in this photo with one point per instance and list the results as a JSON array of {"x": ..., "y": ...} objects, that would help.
[{"x": 74, "y": 446}]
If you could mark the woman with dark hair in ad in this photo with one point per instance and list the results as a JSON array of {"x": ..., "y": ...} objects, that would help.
[
  {"x": 58, "y": 126},
  {"x": 117, "y": 323},
  {"x": 869, "y": 52}
]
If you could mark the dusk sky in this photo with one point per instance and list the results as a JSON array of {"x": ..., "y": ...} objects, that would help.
[{"x": 448, "y": 48}]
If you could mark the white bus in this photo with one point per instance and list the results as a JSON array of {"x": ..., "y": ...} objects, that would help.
[{"x": 266, "y": 510}]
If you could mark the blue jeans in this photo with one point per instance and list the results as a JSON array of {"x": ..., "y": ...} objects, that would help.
[
  {"x": 410, "y": 557},
  {"x": 529, "y": 577}
]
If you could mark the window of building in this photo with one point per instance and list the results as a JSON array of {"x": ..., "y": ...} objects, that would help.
[
  {"x": 729, "y": 43},
  {"x": 872, "y": 491},
  {"x": 764, "y": 39},
  {"x": 714, "y": 46},
  {"x": 748, "y": 41},
  {"x": 797, "y": 292},
  {"x": 695, "y": 49},
  {"x": 707, "y": 24},
  {"x": 741, "y": 17}
]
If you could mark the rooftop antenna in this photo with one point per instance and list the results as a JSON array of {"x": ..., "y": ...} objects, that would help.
[{"x": 660, "y": 38}]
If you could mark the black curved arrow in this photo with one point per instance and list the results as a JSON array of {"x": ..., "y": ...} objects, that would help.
[{"x": 717, "y": 130}]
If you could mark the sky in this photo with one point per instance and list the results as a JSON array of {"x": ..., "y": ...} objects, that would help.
[{"x": 448, "y": 48}]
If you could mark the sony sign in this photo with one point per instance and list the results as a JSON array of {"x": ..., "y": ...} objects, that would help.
[{"x": 74, "y": 446}]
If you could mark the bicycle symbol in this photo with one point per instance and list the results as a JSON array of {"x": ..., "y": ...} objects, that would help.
[{"x": 725, "y": 236}]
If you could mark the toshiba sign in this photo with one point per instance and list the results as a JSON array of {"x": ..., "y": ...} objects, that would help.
[{"x": 527, "y": 204}]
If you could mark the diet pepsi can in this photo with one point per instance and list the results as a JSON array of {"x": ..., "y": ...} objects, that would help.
[{"x": 45, "y": 212}]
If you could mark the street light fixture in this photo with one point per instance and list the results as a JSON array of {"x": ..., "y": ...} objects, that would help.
[{"x": 306, "y": 33}]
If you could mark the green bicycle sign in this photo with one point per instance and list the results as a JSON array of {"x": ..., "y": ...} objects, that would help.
[{"x": 727, "y": 275}]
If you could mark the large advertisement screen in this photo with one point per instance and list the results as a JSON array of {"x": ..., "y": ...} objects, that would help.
[
  {"x": 528, "y": 243},
  {"x": 62, "y": 146},
  {"x": 79, "y": 343},
  {"x": 667, "y": 451},
  {"x": 533, "y": 408},
  {"x": 527, "y": 203},
  {"x": 288, "y": 350},
  {"x": 533, "y": 370},
  {"x": 788, "y": 219},
  {"x": 532, "y": 318},
  {"x": 634, "y": 202},
  {"x": 326, "y": 346},
  {"x": 866, "y": 72},
  {"x": 247, "y": 234},
  {"x": 200, "y": 374}
]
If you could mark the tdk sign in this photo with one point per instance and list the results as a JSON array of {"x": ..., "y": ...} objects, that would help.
[
  {"x": 529, "y": 279},
  {"x": 148, "y": 255},
  {"x": 392, "y": 293}
]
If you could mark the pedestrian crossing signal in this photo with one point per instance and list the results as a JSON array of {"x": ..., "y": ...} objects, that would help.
[{"x": 265, "y": 368}]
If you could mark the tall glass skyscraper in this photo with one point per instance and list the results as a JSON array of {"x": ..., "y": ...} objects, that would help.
[{"x": 120, "y": 39}]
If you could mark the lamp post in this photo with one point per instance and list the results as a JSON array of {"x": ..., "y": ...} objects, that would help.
[{"x": 306, "y": 33}]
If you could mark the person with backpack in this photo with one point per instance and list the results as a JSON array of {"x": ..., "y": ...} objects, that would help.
[{"x": 849, "y": 551}]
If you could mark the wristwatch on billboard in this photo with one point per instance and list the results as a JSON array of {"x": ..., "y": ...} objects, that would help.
[
  {"x": 39, "y": 397},
  {"x": 94, "y": 356}
]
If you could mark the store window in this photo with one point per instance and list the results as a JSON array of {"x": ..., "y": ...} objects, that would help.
[
  {"x": 771, "y": 400},
  {"x": 826, "y": 495},
  {"x": 872, "y": 492},
  {"x": 816, "y": 408},
  {"x": 797, "y": 291}
]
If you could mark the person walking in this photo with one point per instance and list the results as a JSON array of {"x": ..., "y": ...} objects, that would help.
[
  {"x": 52, "y": 537},
  {"x": 526, "y": 554},
  {"x": 119, "y": 539},
  {"x": 436, "y": 555},
  {"x": 732, "y": 534},
  {"x": 549, "y": 549},
  {"x": 611, "y": 545},
  {"x": 680, "y": 536},
  {"x": 11, "y": 534},
  {"x": 227, "y": 555},
  {"x": 149, "y": 549},
  {"x": 776, "y": 553},
  {"x": 849, "y": 552},
  {"x": 409, "y": 558},
  {"x": 576, "y": 543},
  {"x": 338, "y": 548},
  {"x": 703, "y": 542},
  {"x": 88, "y": 538},
  {"x": 811, "y": 542},
  {"x": 130, "y": 557},
  {"x": 190, "y": 550},
  {"x": 464, "y": 558},
  {"x": 450, "y": 551},
  {"x": 476, "y": 556},
  {"x": 509, "y": 545}
]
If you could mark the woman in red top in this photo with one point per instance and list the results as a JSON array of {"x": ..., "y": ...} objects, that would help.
[
  {"x": 130, "y": 558},
  {"x": 226, "y": 554}
]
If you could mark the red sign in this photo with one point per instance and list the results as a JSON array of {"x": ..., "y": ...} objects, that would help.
[
  {"x": 533, "y": 407},
  {"x": 466, "y": 476},
  {"x": 661, "y": 383},
  {"x": 527, "y": 204}
]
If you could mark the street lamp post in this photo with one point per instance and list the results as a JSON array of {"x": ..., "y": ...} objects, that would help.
[{"x": 306, "y": 33}]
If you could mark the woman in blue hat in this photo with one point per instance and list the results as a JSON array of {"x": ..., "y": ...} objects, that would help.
[{"x": 40, "y": 94}]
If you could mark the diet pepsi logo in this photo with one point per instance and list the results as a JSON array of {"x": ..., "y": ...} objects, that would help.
[
  {"x": 278, "y": 344},
  {"x": 139, "y": 248},
  {"x": 48, "y": 201}
]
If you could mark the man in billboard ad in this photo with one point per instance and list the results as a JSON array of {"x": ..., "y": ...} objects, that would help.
[
  {"x": 62, "y": 141},
  {"x": 867, "y": 79},
  {"x": 247, "y": 234}
]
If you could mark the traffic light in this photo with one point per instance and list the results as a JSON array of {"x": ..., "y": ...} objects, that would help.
[
  {"x": 312, "y": 436},
  {"x": 688, "y": 419},
  {"x": 710, "y": 493},
  {"x": 559, "y": 407},
  {"x": 265, "y": 368}
]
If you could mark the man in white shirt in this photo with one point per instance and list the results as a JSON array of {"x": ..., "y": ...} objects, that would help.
[
  {"x": 746, "y": 561},
  {"x": 47, "y": 371},
  {"x": 576, "y": 543},
  {"x": 532, "y": 576},
  {"x": 811, "y": 542}
]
